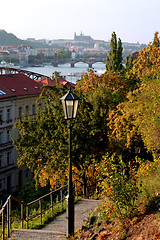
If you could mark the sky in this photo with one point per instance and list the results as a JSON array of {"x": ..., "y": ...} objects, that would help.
[{"x": 132, "y": 20}]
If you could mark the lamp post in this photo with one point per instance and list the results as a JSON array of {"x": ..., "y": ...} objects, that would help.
[{"x": 70, "y": 106}]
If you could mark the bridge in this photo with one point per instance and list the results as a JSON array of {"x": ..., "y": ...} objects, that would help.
[{"x": 73, "y": 61}]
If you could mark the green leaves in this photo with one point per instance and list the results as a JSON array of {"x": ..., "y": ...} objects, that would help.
[
  {"x": 114, "y": 58},
  {"x": 120, "y": 186},
  {"x": 43, "y": 137},
  {"x": 144, "y": 104}
]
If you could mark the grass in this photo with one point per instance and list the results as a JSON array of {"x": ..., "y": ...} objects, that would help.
[
  {"x": 29, "y": 194},
  {"x": 47, "y": 217},
  {"x": 35, "y": 223},
  {"x": 149, "y": 179}
]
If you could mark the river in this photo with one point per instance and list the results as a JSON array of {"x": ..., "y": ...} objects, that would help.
[{"x": 71, "y": 74}]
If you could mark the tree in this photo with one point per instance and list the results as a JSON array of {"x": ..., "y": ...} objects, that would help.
[
  {"x": 136, "y": 123},
  {"x": 129, "y": 63},
  {"x": 144, "y": 104},
  {"x": 115, "y": 86},
  {"x": 148, "y": 61},
  {"x": 124, "y": 137},
  {"x": 43, "y": 145},
  {"x": 114, "y": 58}
]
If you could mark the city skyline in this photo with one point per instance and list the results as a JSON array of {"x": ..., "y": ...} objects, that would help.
[{"x": 133, "y": 21}]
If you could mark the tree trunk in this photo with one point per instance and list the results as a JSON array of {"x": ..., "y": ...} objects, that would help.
[{"x": 85, "y": 192}]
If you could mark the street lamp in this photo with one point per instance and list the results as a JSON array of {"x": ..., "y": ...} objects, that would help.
[{"x": 70, "y": 106}]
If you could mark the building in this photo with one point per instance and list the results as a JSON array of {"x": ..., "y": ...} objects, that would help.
[
  {"x": 82, "y": 38},
  {"x": 18, "y": 94},
  {"x": 61, "y": 81}
]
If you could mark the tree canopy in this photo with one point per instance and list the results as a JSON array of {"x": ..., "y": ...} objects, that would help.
[
  {"x": 118, "y": 114},
  {"x": 114, "y": 58},
  {"x": 136, "y": 122}
]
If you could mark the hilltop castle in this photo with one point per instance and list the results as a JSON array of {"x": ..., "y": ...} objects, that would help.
[{"x": 82, "y": 37}]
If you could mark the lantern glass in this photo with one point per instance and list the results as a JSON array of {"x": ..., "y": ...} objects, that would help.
[
  {"x": 75, "y": 108},
  {"x": 69, "y": 105},
  {"x": 64, "y": 108}
]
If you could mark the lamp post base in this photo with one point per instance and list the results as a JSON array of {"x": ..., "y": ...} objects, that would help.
[{"x": 70, "y": 215}]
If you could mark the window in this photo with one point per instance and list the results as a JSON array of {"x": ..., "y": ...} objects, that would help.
[
  {"x": 1, "y": 116},
  {"x": 33, "y": 110},
  {"x": 27, "y": 110},
  {"x": 20, "y": 112},
  {"x": 2, "y": 93},
  {"x": 1, "y": 138},
  {"x": 39, "y": 107},
  {"x": 8, "y": 136},
  {"x": 0, "y": 161},
  {"x": 8, "y": 114},
  {"x": 8, "y": 158},
  {"x": 1, "y": 184}
]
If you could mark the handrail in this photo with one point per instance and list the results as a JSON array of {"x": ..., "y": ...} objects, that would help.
[
  {"x": 5, "y": 204},
  {"x": 27, "y": 218},
  {"x": 46, "y": 195},
  {"x": 19, "y": 201}
]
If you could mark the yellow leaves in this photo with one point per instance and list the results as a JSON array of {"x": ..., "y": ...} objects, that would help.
[
  {"x": 56, "y": 179},
  {"x": 146, "y": 167},
  {"x": 148, "y": 61}
]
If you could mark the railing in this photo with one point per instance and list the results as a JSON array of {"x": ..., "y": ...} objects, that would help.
[
  {"x": 7, "y": 214},
  {"x": 7, "y": 223}
]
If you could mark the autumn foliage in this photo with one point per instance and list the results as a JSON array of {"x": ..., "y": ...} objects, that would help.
[
  {"x": 118, "y": 114},
  {"x": 148, "y": 62}
]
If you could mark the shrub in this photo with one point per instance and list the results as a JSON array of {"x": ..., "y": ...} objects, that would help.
[
  {"x": 149, "y": 178},
  {"x": 120, "y": 186}
]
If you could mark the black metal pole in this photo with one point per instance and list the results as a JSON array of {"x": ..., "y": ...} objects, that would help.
[{"x": 70, "y": 197}]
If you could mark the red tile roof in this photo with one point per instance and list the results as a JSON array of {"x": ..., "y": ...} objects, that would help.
[
  {"x": 62, "y": 81},
  {"x": 13, "y": 85}
]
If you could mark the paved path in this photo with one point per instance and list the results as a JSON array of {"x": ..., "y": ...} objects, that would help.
[{"x": 57, "y": 228}]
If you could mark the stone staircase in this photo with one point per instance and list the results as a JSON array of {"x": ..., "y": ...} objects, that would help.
[
  {"x": 25, "y": 234},
  {"x": 57, "y": 228},
  {"x": 36, "y": 235}
]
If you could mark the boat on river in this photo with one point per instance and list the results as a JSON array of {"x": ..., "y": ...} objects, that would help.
[{"x": 75, "y": 74}]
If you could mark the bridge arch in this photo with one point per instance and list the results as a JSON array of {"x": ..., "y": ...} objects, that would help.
[
  {"x": 72, "y": 64},
  {"x": 89, "y": 61}
]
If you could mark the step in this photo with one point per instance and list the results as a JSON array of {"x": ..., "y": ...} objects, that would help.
[{"x": 25, "y": 234}]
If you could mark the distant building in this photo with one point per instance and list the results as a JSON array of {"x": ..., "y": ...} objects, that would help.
[
  {"x": 82, "y": 38},
  {"x": 31, "y": 39},
  {"x": 18, "y": 94},
  {"x": 134, "y": 55},
  {"x": 4, "y": 55},
  {"x": 53, "y": 82},
  {"x": 73, "y": 54}
]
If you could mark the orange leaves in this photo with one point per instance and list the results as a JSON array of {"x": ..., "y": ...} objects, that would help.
[
  {"x": 123, "y": 131},
  {"x": 148, "y": 61},
  {"x": 89, "y": 82},
  {"x": 56, "y": 179}
]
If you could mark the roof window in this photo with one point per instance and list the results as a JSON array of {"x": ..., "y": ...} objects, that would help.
[
  {"x": 2, "y": 93},
  {"x": 36, "y": 87},
  {"x": 25, "y": 89},
  {"x": 13, "y": 90}
]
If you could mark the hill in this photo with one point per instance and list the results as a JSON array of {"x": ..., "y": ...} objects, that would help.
[{"x": 9, "y": 39}]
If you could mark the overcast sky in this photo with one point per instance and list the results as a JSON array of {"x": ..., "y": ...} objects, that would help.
[{"x": 132, "y": 20}]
